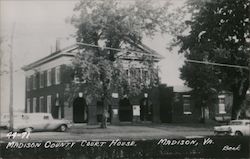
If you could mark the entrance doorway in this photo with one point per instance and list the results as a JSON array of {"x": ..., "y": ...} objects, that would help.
[
  {"x": 166, "y": 104},
  {"x": 79, "y": 110},
  {"x": 125, "y": 110},
  {"x": 146, "y": 109}
]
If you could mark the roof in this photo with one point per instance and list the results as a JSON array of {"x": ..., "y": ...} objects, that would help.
[
  {"x": 68, "y": 52},
  {"x": 181, "y": 89},
  {"x": 63, "y": 52}
]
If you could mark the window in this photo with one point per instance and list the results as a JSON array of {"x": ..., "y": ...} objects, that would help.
[
  {"x": 49, "y": 104},
  {"x": 46, "y": 117},
  {"x": 135, "y": 75},
  {"x": 145, "y": 77},
  {"x": 57, "y": 75},
  {"x": 28, "y": 83},
  {"x": 34, "y": 104},
  {"x": 49, "y": 78},
  {"x": 222, "y": 107},
  {"x": 28, "y": 105},
  {"x": 186, "y": 104},
  {"x": 41, "y": 80},
  {"x": 236, "y": 123},
  {"x": 247, "y": 123},
  {"x": 41, "y": 104},
  {"x": 128, "y": 75},
  {"x": 34, "y": 81}
]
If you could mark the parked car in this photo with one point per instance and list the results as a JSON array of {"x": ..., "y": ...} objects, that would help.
[
  {"x": 234, "y": 128},
  {"x": 40, "y": 122}
]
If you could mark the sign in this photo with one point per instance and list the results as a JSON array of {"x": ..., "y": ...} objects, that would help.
[
  {"x": 115, "y": 95},
  {"x": 136, "y": 110},
  {"x": 115, "y": 111}
]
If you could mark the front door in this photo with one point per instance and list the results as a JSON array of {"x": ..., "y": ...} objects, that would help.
[
  {"x": 79, "y": 110},
  {"x": 125, "y": 110},
  {"x": 166, "y": 103}
]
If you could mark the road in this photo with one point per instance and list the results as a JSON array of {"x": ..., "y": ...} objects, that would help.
[{"x": 133, "y": 132}]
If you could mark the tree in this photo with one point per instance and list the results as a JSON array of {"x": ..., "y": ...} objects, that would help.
[
  {"x": 115, "y": 24},
  {"x": 220, "y": 33}
]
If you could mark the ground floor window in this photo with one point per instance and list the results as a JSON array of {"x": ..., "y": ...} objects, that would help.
[
  {"x": 49, "y": 104},
  {"x": 186, "y": 104},
  {"x": 28, "y": 106},
  {"x": 222, "y": 105},
  {"x": 34, "y": 105},
  {"x": 41, "y": 104}
]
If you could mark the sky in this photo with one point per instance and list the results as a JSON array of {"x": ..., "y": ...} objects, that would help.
[{"x": 37, "y": 24}]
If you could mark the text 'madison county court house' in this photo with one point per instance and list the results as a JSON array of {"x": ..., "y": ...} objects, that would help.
[{"x": 48, "y": 78}]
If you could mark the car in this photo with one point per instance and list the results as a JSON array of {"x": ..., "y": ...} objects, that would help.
[
  {"x": 5, "y": 119},
  {"x": 40, "y": 122},
  {"x": 234, "y": 128}
]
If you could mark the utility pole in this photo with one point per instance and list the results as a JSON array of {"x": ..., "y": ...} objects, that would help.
[
  {"x": 1, "y": 56},
  {"x": 11, "y": 80}
]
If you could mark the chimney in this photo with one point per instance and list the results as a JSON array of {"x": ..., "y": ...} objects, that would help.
[{"x": 58, "y": 44}]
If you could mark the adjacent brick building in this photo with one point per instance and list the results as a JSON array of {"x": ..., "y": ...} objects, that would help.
[{"x": 185, "y": 110}]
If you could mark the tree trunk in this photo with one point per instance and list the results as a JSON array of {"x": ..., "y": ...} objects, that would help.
[
  {"x": 203, "y": 118},
  {"x": 104, "y": 116},
  {"x": 104, "y": 111},
  {"x": 238, "y": 99}
]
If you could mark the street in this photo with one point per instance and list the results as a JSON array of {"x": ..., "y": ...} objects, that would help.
[{"x": 138, "y": 132}]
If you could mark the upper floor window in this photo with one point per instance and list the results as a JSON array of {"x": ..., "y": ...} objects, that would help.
[
  {"x": 145, "y": 77},
  {"x": 135, "y": 75},
  {"x": 49, "y": 78},
  {"x": 138, "y": 75},
  {"x": 186, "y": 104},
  {"x": 34, "y": 81},
  {"x": 41, "y": 80},
  {"x": 57, "y": 75},
  {"x": 28, "y": 83}
]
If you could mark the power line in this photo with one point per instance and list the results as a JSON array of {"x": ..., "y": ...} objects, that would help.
[
  {"x": 217, "y": 64},
  {"x": 115, "y": 49},
  {"x": 188, "y": 60}
]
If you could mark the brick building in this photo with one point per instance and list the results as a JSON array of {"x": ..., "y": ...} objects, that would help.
[
  {"x": 47, "y": 80},
  {"x": 185, "y": 110}
]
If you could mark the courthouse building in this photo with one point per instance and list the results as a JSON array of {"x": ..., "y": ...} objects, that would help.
[{"x": 48, "y": 79}]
